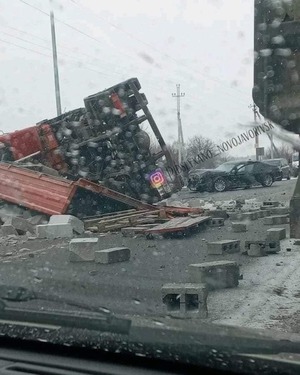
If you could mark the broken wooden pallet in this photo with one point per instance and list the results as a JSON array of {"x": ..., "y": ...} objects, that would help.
[
  {"x": 179, "y": 225},
  {"x": 119, "y": 221}
]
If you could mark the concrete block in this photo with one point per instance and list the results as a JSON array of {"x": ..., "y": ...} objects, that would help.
[
  {"x": 76, "y": 224},
  {"x": 224, "y": 246},
  {"x": 216, "y": 222},
  {"x": 255, "y": 250},
  {"x": 280, "y": 211},
  {"x": 21, "y": 225},
  {"x": 262, "y": 248},
  {"x": 38, "y": 220},
  {"x": 217, "y": 213},
  {"x": 239, "y": 227},
  {"x": 52, "y": 231},
  {"x": 216, "y": 275},
  {"x": 8, "y": 230},
  {"x": 83, "y": 249},
  {"x": 276, "y": 234},
  {"x": 276, "y": 219},
  {"x": 185, "y": 300},
  {"x": 273, "y": 247},
  {"x": 113, "y": 255}
]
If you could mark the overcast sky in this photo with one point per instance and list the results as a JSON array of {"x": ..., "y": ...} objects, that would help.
[{"x": 205, "y": 45}]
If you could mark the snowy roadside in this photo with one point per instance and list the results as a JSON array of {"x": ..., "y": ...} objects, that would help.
[{"x": 268, "y": 294}]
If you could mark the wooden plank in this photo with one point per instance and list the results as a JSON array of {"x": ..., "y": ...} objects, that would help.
[
  {"x": 98, "y": 217},
  {"x": 178, "y": 224},
  {"x": 111, "y": 215}
]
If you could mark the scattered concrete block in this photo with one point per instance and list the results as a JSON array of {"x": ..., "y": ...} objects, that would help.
[
  {"x": 113, "y": 255},
  {"x": 83, "y": 249},
  {"x": 280, "y": 211},
  {"x": 217, "y": 213},
  {"x": 273, "y": 247},
  {"x": 276, "y": 234},
  {"x": 7, "y": 230},
  {"x": 216, "y": 275},
  {"x": 185, "y": 300},
  {"x": 21, "y": 225},
  {"x": 38, "y": 220},
  {"x": 76, "y": 224},
  {"x": 239, "y": 227},
  {"x": 256, "y": 250},
  {"x": 216, "y": 222},
  {"x": 278, "y": 219},
  {"x": 261, "y": 248},
  {"x": 219, "y": 247},
  {"x": 52, "y": 231}
]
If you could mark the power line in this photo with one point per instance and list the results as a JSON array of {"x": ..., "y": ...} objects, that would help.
[
  {"x": 24, "y": 40},
  {"x": 132, "y": 36},
  {"x": 25, "y": 48},
  {"x": 135, "y": 38}
]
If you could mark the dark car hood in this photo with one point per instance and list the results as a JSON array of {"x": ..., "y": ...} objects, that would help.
[{"x": 206, "y": 172}]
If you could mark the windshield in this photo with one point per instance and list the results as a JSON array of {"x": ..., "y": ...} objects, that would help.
[
  {"x": 226, "y": 167},
  {"x": 118, "y": 120}
]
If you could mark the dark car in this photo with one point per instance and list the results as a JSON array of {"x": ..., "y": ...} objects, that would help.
[
  {"x": 283, "y": 165},
  {"x": 232, "y": 175}
]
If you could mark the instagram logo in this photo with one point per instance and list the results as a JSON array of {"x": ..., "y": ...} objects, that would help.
[{"x": 157, "y": 179}]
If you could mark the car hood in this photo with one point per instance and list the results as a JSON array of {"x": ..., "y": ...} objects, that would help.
[{"x": 205, "y": 172}]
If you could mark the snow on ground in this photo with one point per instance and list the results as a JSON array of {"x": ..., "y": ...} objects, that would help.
[{"x": 268, "y": 293}]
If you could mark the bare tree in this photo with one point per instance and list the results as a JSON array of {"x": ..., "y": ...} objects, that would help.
[{"x": 284, "y": 151}]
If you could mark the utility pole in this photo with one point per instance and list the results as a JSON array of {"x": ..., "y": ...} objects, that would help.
[
  {"x": 179, "y": 95},
  {"x": 256, "y": 135},
  {"x": 55, "y": 65}
]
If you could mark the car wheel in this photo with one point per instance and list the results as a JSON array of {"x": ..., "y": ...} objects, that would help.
[
  {"x": 267, "y": 180},
  {"x": 220, "y": 184}
]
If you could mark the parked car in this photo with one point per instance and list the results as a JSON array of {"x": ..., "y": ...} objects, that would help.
[
  {"x": 232, "y": 175},
  {"x": 283, "y": 166},
  {"x": 295, "y": 164}
]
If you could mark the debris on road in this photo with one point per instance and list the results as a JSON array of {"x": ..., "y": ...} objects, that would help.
[
  {"x": 76, "y": 224},
  {"x": 52, "y": 231},
  {"x": 216, "y": 275},
  {"x": 185, "y": 300},
  {"x": 112, "y": 255},
  {"x": 83, "y": 249},
  {"x": 276, "y": 234},
  {"x": 276, "y": 219},
  {"x": 222, "y": 247}
]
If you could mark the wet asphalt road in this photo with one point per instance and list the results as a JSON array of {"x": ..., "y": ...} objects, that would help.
[{"x": 134, "y": 287}]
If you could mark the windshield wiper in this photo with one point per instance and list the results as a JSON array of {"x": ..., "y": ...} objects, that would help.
[{"x": 94, "y": 318}]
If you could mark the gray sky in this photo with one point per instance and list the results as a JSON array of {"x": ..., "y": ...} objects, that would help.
[{"x": 204, "y": 45}]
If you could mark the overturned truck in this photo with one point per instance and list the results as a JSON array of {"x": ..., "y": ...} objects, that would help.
[{"x": 103, "y": 142}]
